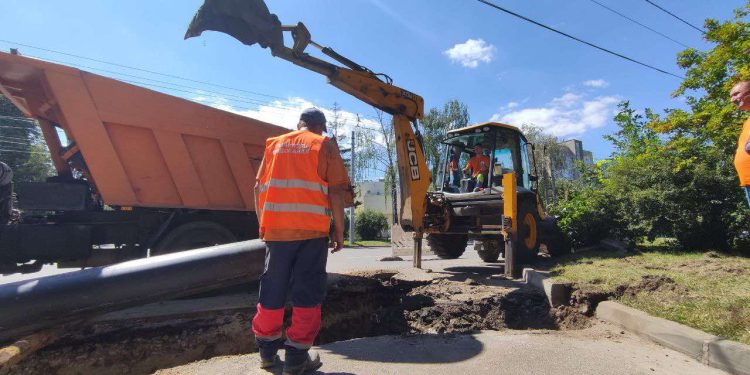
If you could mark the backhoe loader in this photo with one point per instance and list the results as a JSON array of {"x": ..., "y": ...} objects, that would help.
[{"x": 463, "y": 208}]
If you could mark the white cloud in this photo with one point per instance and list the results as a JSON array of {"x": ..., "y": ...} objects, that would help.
[
  {"x": 567, "y": 115},
  {"x": 511, "y": 105},
  {"x": 569, "y": 99},
  {"x": 471, "y": 53},
  {"x": 598, "y": 83},
  {"x": 286, "y": 113}
]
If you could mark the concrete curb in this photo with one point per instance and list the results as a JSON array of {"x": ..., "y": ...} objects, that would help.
[
  {"x": 558, "y": 294},
  {"x": 709, "y": 349}
]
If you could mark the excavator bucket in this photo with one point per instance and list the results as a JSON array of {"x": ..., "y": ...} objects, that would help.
[{"x": 248, "y": 21}]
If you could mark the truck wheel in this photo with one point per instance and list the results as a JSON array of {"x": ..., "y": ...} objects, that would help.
[
  {"x": 489, "y": 250},
  {"x": 447, "y": 246},
  {"x": 528, "y": 232},
  {"x": 193, "y": 235}
]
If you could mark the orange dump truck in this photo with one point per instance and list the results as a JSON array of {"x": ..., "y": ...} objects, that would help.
[{"x": 137, "y": 170}]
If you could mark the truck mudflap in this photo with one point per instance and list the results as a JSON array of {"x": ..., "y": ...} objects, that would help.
[{"x": 21, "y": 243}]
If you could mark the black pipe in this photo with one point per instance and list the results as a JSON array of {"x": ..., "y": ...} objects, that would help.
[{"x": 30, "y": 305}]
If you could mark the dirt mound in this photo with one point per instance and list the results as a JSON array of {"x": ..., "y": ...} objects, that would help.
[{"x": 458, "y": 307}]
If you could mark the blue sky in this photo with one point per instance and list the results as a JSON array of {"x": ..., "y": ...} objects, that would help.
[{"x": 501, "y": 67}]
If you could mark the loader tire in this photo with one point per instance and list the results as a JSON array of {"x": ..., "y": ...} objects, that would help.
[
  {"x": 447, "y": 246},
  {"x": 489, "y": 250},
  {"x": 528, "y": 232},
  {"x": 193, "y": 235}
]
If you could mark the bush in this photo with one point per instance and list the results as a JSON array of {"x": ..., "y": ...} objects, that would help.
[
  {"x": 588, "y": 216},
  {"x": 369, "y": 224}
]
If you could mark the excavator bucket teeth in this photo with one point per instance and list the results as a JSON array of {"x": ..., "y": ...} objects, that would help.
[{"x": 248, "y": 21}]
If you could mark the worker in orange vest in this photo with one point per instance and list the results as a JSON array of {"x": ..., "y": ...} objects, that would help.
[
  {"x": 479, "y": 167},
  {"x": 301, "y": 182},
  {"x": 740, "y": 96}
]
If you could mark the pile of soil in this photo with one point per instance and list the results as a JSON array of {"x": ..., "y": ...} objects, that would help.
[{"x": 361, "y": 305}]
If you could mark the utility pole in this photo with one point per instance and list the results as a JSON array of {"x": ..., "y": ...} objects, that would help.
[{"x": 351, "y": 210}]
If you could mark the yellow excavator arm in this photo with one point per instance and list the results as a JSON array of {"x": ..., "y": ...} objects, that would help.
[{"x": 250, "y": 22}]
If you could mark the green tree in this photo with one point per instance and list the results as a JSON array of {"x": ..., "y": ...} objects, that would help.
[
  {"x": 436, "y": 124},
  {"x": 700, "y": 140},
  {"x": 548, "y": 158},
  {"x": 673, "y": 174},
  {"x": 376, "y": 152},
  {"x": 21, "y": 146}
]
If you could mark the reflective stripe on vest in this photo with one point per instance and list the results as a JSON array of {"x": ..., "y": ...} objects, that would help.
[
  {"x": 294, "y": 184},
  {"x": 296, "y": 207}
]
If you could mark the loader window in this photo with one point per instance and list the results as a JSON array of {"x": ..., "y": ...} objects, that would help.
[
  {"x": 460, "y": 150},
  {"x": 507, "y": 158}
]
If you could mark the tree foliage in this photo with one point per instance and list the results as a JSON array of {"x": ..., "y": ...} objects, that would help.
[
  {"x": 21, "y": 146},
  {"x": 436, "y": 123},
  {"x": 672, "y": 174}
]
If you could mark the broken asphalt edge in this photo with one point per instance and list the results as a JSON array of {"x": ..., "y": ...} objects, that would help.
[
  {"x": 557, "y": 293},
  {"x": 711, "y": 350}
]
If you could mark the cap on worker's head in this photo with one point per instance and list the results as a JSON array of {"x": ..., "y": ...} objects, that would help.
[{"x": 313, "y": 116}]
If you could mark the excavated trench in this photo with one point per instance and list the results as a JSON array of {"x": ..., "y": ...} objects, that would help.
[{"x": 356, "y": 305}]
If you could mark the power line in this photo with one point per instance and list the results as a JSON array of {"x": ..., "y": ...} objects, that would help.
[
  {"x": 270, "y": 105},
  {"x": 139, "y": 69},
  {"x": 578, "y": 39},
  {"x": 637, "y": 23},
  {"x": 199, "y": 91},
  {"x": 675, "y": 16}
]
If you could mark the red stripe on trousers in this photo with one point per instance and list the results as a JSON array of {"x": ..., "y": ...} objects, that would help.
[
  {"x": 305, "y": 325},
  {"x": 268, "y": 322}
]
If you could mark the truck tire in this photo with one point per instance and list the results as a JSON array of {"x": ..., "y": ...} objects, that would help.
[
  {"x": 528, "y": 232},
  {"x": 193, "y": 235},
  {"x": 447, "y": 246},
  {"x": 489, "y": 250}
]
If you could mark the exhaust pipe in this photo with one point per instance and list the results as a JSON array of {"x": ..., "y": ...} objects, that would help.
[{"x": 31, "y": 305}]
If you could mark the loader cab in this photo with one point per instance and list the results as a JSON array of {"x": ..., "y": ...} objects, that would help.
[{"x": 503, "y": 149}]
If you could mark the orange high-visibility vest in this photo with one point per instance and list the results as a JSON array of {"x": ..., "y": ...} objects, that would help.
[{"x": 291, "y": 194}]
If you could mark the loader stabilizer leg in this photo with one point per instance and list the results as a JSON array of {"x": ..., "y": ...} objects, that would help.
[
  {"x": 417, "y": 262},
  {"x": 510, "y": 222}
]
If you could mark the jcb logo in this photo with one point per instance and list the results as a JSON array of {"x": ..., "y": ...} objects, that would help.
[
  {"x": 407, "y": 94},
  {"x": 411, "y": 149}
]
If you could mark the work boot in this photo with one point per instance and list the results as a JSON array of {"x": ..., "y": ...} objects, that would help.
[
  {"x": 267, "y": 350},
  {"x": 266, "y": 363},
  {"x": 310, "y": 363}
]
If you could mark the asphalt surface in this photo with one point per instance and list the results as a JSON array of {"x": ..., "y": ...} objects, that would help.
[
  {"x": 601, "y": 349},
  {"x": 346, "y": 259}
]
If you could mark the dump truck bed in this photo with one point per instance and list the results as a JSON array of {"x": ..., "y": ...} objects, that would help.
[{"x": 140, "y": 147}]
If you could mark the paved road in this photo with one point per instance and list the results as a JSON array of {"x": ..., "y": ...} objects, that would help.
[
  {"x": 601, "y": 349},
  {"x": 345, "y": 260}
]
